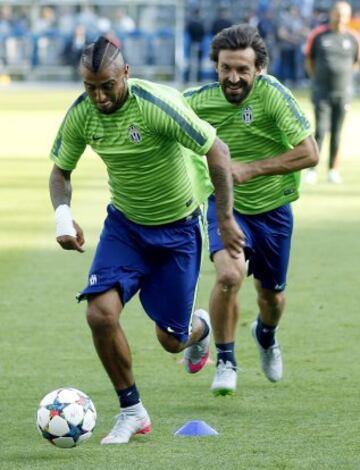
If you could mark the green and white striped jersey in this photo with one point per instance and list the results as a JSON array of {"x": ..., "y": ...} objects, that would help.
[
  {"x": 267, "y": 123},
  {"x": 153, "y": 148}
]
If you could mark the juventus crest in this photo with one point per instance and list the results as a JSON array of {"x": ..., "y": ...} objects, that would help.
[
  {"x": 247, "y": 115},
  {"x": 134, "y": 134}
]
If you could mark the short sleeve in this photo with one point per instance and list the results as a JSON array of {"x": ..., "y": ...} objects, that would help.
[
  {"x": 282, "y": 106},
  {"x": 69, "y": 144}
]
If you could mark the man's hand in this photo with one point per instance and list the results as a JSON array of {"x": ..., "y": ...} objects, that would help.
[
  {"x": 241, "y": 172},
  {"x": 67, "y": 242},
  {"x": 232, "y": 236}
]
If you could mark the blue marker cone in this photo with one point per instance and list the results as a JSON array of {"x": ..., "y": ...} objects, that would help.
[{"x": 196, "y": 428}]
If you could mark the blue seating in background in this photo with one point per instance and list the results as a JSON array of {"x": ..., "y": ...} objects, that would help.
[
  {"x": 48, "y": 48},
  {"x": 163, "y": 47},
  {"x": 136, "y": 47},
  {"x": 141, "y": 49}
]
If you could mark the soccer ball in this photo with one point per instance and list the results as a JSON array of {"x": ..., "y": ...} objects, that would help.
[{"x": 66, "y": 417}]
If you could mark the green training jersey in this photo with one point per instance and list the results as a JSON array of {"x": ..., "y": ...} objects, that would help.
[
  {"x": 153, "y": 148},
  {"x": 267, "y": 123}
]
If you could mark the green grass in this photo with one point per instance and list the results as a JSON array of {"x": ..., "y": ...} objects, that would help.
[{"x": 308, "y": 421}]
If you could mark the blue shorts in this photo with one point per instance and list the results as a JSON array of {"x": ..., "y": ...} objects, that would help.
[
  {"x": 162, "y": 262},
  {"x": 267, "y": 243}
]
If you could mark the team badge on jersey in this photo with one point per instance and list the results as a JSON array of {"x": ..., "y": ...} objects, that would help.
[
  {"x": 247, "y": 115},
  {"x": 134, "y": 134}
]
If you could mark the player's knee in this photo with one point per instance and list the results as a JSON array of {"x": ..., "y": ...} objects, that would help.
[
  {"x": 169, "y": 342},
  {"x": 173, "y": 346},
  {"x": 230, "y": 281},
  {"x": 100, "y": 318},
  {"x": 273, "y": 300}
]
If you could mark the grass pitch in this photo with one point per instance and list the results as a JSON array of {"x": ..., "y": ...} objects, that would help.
[{"x": 308, "y": 421}]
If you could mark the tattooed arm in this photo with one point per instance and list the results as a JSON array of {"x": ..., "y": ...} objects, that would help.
[
  {"x": 60, "y": 187},
  {"x": 69, "y": 234},
  {"x": 220, "y": 172}
]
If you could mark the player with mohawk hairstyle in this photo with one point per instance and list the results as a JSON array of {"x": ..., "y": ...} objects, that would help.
[
  {"x": 101, "y": 55},
  {"x": 152, "y": 144}
]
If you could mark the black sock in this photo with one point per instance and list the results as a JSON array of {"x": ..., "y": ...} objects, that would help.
[
  {"x": 225, "y": 352},
  {"x": 265, "y": 334},
  {"x": 206, "y": 329},
  {"x": 128, "y": 396}
]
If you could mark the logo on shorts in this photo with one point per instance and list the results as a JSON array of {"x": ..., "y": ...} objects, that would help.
[
  {"x": 134, "y": 134},
  {"x": 247, "y": 115},
  {"x": 92, "y": 279},
  {"x": 280, "y": 286}
]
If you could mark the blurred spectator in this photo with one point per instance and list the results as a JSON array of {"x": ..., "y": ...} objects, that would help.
[
  {"x": 123, "y": 22},
  {"x": 331, "y": 52},
  {"x": 46, "y": 22},
  {"x": 318, "y": 17},
  {"x": 148, "y": 18},
  {"x": 67, "y": 21},
  {"x": 221, "y": 21},
  {"x": 252, "y": 19},
  {"x": 20, "y": 22},
  {"x": 103, "y": 25},
  {"x": 306, "y": 8},
  {"x": 291, "y": 33},
  {"x": 267, "y": 30},
  {"x": 195, "y": 31},
  {"x": 74, "y": 48},
  {"x": 6, "y": 18},
  {"x": 263, "y": 6},
  {"x": 88, "y": 18},
  {"x": 44, "y": 27}
]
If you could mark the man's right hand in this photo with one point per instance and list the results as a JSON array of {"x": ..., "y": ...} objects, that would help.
[
  {"x": 67, "y": 242},
  {"x": 232, "y": 236}
]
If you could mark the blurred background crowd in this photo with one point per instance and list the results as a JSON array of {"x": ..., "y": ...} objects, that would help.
[{"x": 167, "y": 40}]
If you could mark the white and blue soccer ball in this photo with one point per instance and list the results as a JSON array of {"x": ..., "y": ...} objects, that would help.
[{"x": 66, "y": 417}]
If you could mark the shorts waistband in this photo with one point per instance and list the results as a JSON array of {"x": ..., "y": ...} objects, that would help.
[{"x": 196, "y": 213}]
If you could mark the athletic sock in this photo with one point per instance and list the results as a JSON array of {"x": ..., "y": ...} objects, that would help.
[
  {"x": 128, "y": 396},
  {"x": 226, "y": 352},
  {"x": 206, "y": 329},
  {"x": 265, "y": 334}
]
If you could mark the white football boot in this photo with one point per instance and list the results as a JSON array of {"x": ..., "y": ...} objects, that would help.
[
  {"x": 225, "y": 379},
  {"x": 195, "y": 356},
  {"x": 334, "y": 177},
  {"x": 270, "y": 359},
  {"x": 132, "y": 420}
]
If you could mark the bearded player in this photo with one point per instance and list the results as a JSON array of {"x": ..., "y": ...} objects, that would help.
[{"x": 270, "y": 140}]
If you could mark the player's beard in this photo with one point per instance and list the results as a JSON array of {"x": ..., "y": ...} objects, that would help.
[{"x": 242, "y": 88}]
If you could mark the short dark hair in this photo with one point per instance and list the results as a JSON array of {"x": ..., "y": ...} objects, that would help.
[
  {"x": 240, "y": 36},
  {"x": 101, "y": 54}
]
